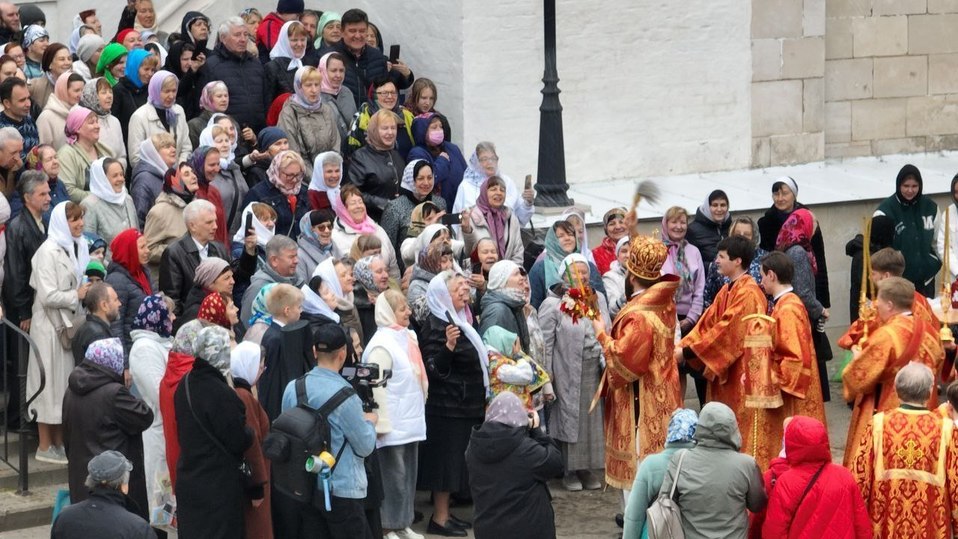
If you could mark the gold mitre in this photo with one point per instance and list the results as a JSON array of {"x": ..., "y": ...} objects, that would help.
[{"x": 647, "y": 254}]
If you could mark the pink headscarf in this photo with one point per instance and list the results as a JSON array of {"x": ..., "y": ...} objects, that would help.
[
  {"x": 75, "y": 120},
  {"x": 62, "y": 86},
  {"x": 206, "y": 100},
  {"x": 326, "y": 86},
  {"x": 366, "y": 226}
]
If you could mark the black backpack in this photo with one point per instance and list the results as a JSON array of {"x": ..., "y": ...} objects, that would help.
[{"x": 295, "y": 435}]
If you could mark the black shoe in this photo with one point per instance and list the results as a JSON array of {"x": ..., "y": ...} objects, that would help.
[
  {"x": 417, "y": 517},
  {"x": 464, "y": 524},
  {"x": 449, "y": 530},
  {"x": 619, "y": 520}
]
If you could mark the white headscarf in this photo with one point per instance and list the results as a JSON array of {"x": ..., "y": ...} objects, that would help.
[
  {"x": 312, "y": 302},
  {"x": 409, "y": 178},
  {"x": 244, "y": 361},
  {"x": 584, "y": 242},
  {"x": 282, "y": 48},
  {"x": 100, "y": 185},
  {"x": 316, "y": 182},
  {"x": 568, "y": 261},
  {"x": 206, "y": 139},
  {"x": 499, "y": 274},
  {"x": 77, "y": 248},
  {"x": 151, "y": 156},
  {"x": 425, "y": 237},
  {"x": 263, "y": 234},
  {"x": 440, "y": 305}
]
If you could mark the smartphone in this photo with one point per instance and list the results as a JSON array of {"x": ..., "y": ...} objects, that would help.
[
  {"x": 451, "y": 219},
  {"x": 528, "y": 181},
  {"x": 393, "y": 53},
  {"x": 249, "y": 224}
]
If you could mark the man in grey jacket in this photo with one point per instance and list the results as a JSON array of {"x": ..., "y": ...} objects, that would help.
[
  {"x": 282, "y": 257},
  {"x": 716, "y": 483}
]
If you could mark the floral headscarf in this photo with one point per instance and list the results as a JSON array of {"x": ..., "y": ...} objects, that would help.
[
  {"x": 430, "y": 258},
  {"x": 107, "y": 353},
  {"x": 154, "y": 315},
  {"x": 289, "y": 187},
  {"x": 213, "y": 309},
  {"x": 798, "y": 230},
  {"x": 260, "y": 311},
  {"x": 682, "y": 426},
  {"x": 507, "y": 409},
  {"x": 213, "y": 346},
  {"x": 186, "y": 337},
  {"x": 364, "y": 274},
  {"x": 90, "y": 98}
]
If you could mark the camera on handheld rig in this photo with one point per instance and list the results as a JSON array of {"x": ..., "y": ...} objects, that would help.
[{"x": 364, "y": 377}]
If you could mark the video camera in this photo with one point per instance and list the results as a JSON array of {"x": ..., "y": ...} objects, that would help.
[{"x": 364, "y": 377}]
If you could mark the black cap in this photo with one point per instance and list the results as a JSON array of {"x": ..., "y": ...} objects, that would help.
[{"x": 329, "y": 338}]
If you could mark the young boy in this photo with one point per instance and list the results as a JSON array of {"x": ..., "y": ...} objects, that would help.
[{"x": 285, "y": 304}]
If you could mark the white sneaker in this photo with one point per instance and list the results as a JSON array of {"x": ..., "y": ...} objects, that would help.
[
  {"x": 391, "y": 535},
  {"x": 51, "y": 456},
  {"x": 409, "y": 534}
]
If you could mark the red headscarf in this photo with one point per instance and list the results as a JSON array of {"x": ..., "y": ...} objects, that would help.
[
  {"x": 126, "y": 254},
  {"x": 213, "y": 309},
  {"x": 797, "y": 230}
]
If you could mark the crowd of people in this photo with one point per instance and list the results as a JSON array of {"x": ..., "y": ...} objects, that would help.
[{"x": 206, "y": 229}]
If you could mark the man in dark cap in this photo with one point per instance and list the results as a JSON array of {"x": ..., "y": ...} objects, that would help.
[
  {"x": 352, "y": 437},
  {"x": 104, "y": 513}
]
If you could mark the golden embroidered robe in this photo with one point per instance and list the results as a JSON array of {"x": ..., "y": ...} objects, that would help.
[
  {"x": 718, "y": 340},
  {"x": 919, "y": 309},
  {"x": 906, "y": 464},
  {"x": 794, "y": 376},
  {"x": 641, "y": 380},
  {"x": 869, "y": 379}
]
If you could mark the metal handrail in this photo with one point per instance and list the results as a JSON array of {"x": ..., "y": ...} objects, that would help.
[{"x": 23, "y": 432}]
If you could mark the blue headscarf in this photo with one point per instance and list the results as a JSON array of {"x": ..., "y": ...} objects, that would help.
[
  {"x": 154, "y": 315},
  {"x": 260, "y": 312},
  {"x": 682, "y": 426},
  {"x": 133, "y": 61}
]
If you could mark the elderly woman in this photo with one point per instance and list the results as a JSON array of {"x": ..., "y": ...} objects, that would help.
[
  {"x": 58, "y": 268},
  {"x": 83, "y": 147},
  {"x": 53, "y": 119},
  {"x": 213, "y": 276},
  {"x": 89, "y": 49},
  {"x": 326, "y": 181},
  {"x": 157, "y": 154},
  {"x": 109, "y": 208},
  {"x": 402, "y": 421},
  {"x": 417, "y": 186},
  {"x": 56, "y": 61},
  {"x": 284, "y": 191},
  {"x": 179, "y": 362},
  {"x": 333, "y": 67},
  {"x": 209, "y": 489},
  {"x": 246, "y": 366},
  {"x": 352, "y": 221},
  {"x": 100, "y": 414},
  {"x": 491, "y": 218},
  {"x": 372, "y": 279},
  {"x": 574, "y": 361},
  {"x": 546, "y": 272},
  {"x": 614, "y": 279},
  {"x": 206, "y": 164},
  {"x": 651, "y": 472},
  {"x": 288, "y": 55},
  {"x": 613, "y": 223},
  {"x": 434, "y": 259},
  {"x": 269, "y": 143},
  {"x": 309, "y": 121},
  {"x": 315, "y": 241},
  {"x": 412, "y": 246},
  {"x": 214, "y": 98},
  {"x": 711, "y": 225},
  {"x": 164, "y": 223},
  {"x": 483, "y": 165},
  {"x": 377, "y": 168},
  {"x": 262, "y": 220},
  {"x": 128, "y": 276},
  {"x": 504, "y": 301},
  {"x": 98, "y": 96},
  {"x": 685, "y": 261},
  {"x": 160, "y": 114},
  {"x": 152, "y": 334},
  {"x": 455, "y": 357},
  {"x": 433, "y": 146}
]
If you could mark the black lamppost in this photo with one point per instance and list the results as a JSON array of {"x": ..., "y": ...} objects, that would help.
[{"x": 551, "y": 186}]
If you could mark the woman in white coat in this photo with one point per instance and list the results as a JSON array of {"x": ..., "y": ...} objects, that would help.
[
  {"x": 109, "y": 208},
  {"x": 402, "y": 408},
  {"x": 160, "y": 114},
  {"x": 152, "y": 336},
  {"x": 951, "y": 251},
  {"x": 352, "y": 221},
  {"x": 58, "y": 267}
]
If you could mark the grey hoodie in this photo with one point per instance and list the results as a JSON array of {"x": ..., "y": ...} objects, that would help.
[{"x": 717, "y": 483}]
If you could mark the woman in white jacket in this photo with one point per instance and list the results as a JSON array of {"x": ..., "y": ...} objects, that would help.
[
  {"x": 952, "y": 249},
  {"x": 152, "y": 340},
  {"x": 352, "y": 221},
  {"x": 490, "y": 218},
  {"x": 402, "y": 408},
  {"x": 53, "y": 119},
  {"x": 160, "y": 114}
]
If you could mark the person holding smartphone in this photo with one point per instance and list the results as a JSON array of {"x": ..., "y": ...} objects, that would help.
[{"x": 418, "y": 186}]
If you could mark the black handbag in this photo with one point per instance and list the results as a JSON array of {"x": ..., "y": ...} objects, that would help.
[{"x": 244, "y": 468}]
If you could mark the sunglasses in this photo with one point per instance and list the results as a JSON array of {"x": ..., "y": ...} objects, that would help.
[{"x": 324, "y": 226}]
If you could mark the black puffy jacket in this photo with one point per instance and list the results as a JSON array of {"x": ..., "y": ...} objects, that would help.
[
  {"x": 705, "y": 234},
  {"x": 287, "y": 221},
  {"x": 249, "y": 105},
  {"x": 103, "y": 514},
  {"x": 362, "y": 71},
  {"x": 24, "y": 237}
]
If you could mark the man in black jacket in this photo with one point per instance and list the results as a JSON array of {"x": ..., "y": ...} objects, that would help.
[
  {"x": 103, "y": 308},
  {"x": 104, "y": 513},
  {"x": 365, "y": 64},
  {"x": 179, "y": 260},
  {"x": 24, "y": 235}
]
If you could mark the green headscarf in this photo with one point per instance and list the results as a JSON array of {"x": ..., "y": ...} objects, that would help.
[
  {"x": 554, "y": 257},
  {"x": 111, "y": 53},
  {"x": 501, "y": 339}
]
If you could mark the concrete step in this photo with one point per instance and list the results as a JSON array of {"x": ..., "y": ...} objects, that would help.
[
  {"x": 40, "y": 473},
  {"x": 36, "y": 509}
]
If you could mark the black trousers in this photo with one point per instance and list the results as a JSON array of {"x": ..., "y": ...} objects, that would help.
[{"x": 346, "y": 520}]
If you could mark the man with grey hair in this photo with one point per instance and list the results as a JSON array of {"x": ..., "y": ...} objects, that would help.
[
  {"x": 908, "y": 457},
  {"x": 11, "y": 147},
  {"x": 282, "y": 256},
  {"x": 232, "y": 63},
  {"x": 104, "y": 513},
  {"x": 179, "y": 260}
]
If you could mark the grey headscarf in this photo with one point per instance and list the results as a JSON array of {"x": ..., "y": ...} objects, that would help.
[
  {"x": 184, "y": 342},
  {"x": 213, "y": 346},
  {"x": 507, "y": 409}
]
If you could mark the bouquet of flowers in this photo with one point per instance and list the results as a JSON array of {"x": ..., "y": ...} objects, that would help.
[{"x": 579, "y": 303}]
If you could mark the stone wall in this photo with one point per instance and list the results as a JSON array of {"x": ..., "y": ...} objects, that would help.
[{"x": 891, "y": 76}]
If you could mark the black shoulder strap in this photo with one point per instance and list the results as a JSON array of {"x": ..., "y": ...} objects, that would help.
[
  {"x": 301, "y": 392},
  {"x": 189, "y": 402},
  {"x": 338, "y": 398},
  {"x": 811, "y": 483}
]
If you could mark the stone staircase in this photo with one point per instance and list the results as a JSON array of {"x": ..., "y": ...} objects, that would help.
[{"x": 36, "y": 508}]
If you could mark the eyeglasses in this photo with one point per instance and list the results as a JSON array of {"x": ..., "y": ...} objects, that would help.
[
  {"x": 289, "y": 176},
  {"x": 488, "y": 159},
  {"x": 386, "y": 93}
]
